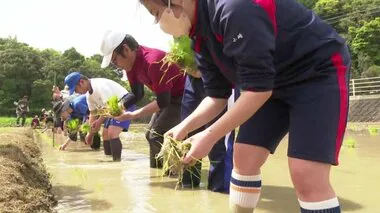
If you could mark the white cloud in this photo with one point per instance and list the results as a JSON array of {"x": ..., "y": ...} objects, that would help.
[{"x": 61, "y": 24}]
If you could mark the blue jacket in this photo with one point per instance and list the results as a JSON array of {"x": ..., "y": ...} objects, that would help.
[
  {"x": 258, "y": 45},
  {"x": 80, "y": 107}
]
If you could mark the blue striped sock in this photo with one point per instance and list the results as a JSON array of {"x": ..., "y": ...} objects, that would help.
[
  {"x": 244, "y": 192},
  {"x": 327, "y": 206}
]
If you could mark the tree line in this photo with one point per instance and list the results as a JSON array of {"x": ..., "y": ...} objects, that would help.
[
  {"x": 358, "y": 21},
  {"x": 25, "y": 70}
]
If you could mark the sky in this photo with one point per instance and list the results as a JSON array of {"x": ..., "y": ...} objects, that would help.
[{"x": 62, "y": 24}]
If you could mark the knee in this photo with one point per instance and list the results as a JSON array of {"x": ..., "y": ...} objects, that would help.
[
  {"x": 248, "y": 159},
  {"x": 105, "y": 134},
  {"x": 309, "y": 177},
  {"x": 113, "y": 132}
]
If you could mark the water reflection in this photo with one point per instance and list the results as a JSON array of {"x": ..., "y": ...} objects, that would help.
[{"x": 88, "y": 181}]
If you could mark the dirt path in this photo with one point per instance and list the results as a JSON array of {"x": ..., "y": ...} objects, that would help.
[{"x": 24, "y": 181}]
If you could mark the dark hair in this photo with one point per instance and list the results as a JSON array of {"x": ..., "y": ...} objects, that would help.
[
  {"x": 130, "y": 41},
  {"x": 83, "y": 77}
]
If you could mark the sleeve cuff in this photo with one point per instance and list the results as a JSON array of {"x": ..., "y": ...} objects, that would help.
[
  {"x": 218, "y": 93},
  {"x": 257, "y": 86}
]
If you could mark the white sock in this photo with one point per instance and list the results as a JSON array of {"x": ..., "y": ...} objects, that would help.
[
  {"x": 326, "y": 206},
  {"x": 244, "y": 192}
]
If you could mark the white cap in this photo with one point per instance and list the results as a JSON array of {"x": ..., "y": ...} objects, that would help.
[{"x": 111, "y": 40}]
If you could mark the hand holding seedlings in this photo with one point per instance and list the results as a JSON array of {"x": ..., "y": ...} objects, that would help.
[
  {"x": 201, "y": 145},
  {"x": 177, "y": 133},
  {"x": 172, "y": 153},
  {"x": 112, "y": 109},
  {"x": 95, "y": 126}
]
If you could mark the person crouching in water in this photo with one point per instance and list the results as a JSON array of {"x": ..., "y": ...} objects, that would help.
[
  {"x": 98, "y": 91},
  {"x": 75, "y": 108}
]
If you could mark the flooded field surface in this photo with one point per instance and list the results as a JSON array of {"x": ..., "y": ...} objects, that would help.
[{"x": 88, "y": 181}]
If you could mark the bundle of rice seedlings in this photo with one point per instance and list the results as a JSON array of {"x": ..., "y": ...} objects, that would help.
[
  {"x": 180, "y": 53},
  {"x": 113, "y": 108},
  {"x": 85, "y": 128},
  {"x": 171, "y": 154},
  {"x": 72, "y": 125}
]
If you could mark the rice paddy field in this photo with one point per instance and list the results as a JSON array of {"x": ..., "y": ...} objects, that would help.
[{"x": 87, "y": 181}]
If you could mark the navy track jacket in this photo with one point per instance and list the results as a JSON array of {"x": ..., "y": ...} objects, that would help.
[{"x": 258, "y": 45}]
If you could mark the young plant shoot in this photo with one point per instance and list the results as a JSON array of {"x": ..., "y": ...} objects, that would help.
[{"x": 180, "y": 53}]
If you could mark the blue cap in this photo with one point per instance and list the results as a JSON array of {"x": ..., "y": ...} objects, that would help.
[{"x": 71, "y": 81}]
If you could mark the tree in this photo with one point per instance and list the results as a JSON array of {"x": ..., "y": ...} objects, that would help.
[
  {"x": 28, "y": 71},
  {"x": 366, "y": 39},
  {"x": 19, "y": 67},
  {"x": 308, "y": 3},
  {"x": 74, "y": 57},
  {"x": 373, "y": 71}
]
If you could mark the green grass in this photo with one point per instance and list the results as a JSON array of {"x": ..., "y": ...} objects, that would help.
[
  {"x": 374, "y": 130},
  {"x": 11, "y": 121}
]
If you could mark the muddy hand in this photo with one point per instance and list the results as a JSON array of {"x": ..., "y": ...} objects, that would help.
[
  {"x": 88, "y": 139},
  {"x": 201, "y": 145},
  {"x": 177, "y": 132},
  {"x": 95, "y": 126}
]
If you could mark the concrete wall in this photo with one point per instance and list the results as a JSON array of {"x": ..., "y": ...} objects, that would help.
[{"x": 364, "y": 109}]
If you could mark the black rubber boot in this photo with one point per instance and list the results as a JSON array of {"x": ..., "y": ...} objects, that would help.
[
  {"x": 116, "y": 148},
  {"x": 82, "y": 136},
  {"x": 192, "y": 176},
  {"x": 107, "y": 147},
  {"x": 154, "y": 150},
  {"x": 96, "y": 142}
]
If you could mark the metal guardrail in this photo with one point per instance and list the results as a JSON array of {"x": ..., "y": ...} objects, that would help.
[{"x": 365, "y": 86}]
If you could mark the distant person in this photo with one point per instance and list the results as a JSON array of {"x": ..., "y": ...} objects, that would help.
[
  {"x": 21, "y": 110},
  {"x": 75, "y": 108},
  {"x": 49, "y": 120},
  {"x": 57, "y": 97},
  {"x": 35, "y": 122},
  {"x": 65, "y": 93}
]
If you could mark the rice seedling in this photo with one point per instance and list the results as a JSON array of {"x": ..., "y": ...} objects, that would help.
[
  {"x": 373, "y": 130},
  {"x": 112, "y": 108},
  {"x": 85, "y": 128},
  {"x": 73, "y": 125},
  {"x": 181, "y": 54},
  {"x": 350, "y": 143},
  {"x": 171, "y": 154}
]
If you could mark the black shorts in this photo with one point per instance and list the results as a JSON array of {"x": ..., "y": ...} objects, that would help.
[
  {"x": 313, "y": 112},
  {"x": 58, "y": 123}
]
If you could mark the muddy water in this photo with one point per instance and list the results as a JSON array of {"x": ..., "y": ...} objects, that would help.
[{"x": 88, "y": 181}]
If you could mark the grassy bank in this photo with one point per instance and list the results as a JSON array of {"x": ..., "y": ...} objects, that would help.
[
  {"x": 11, "y": 121},
  {"x": 24, "y": 181}
]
